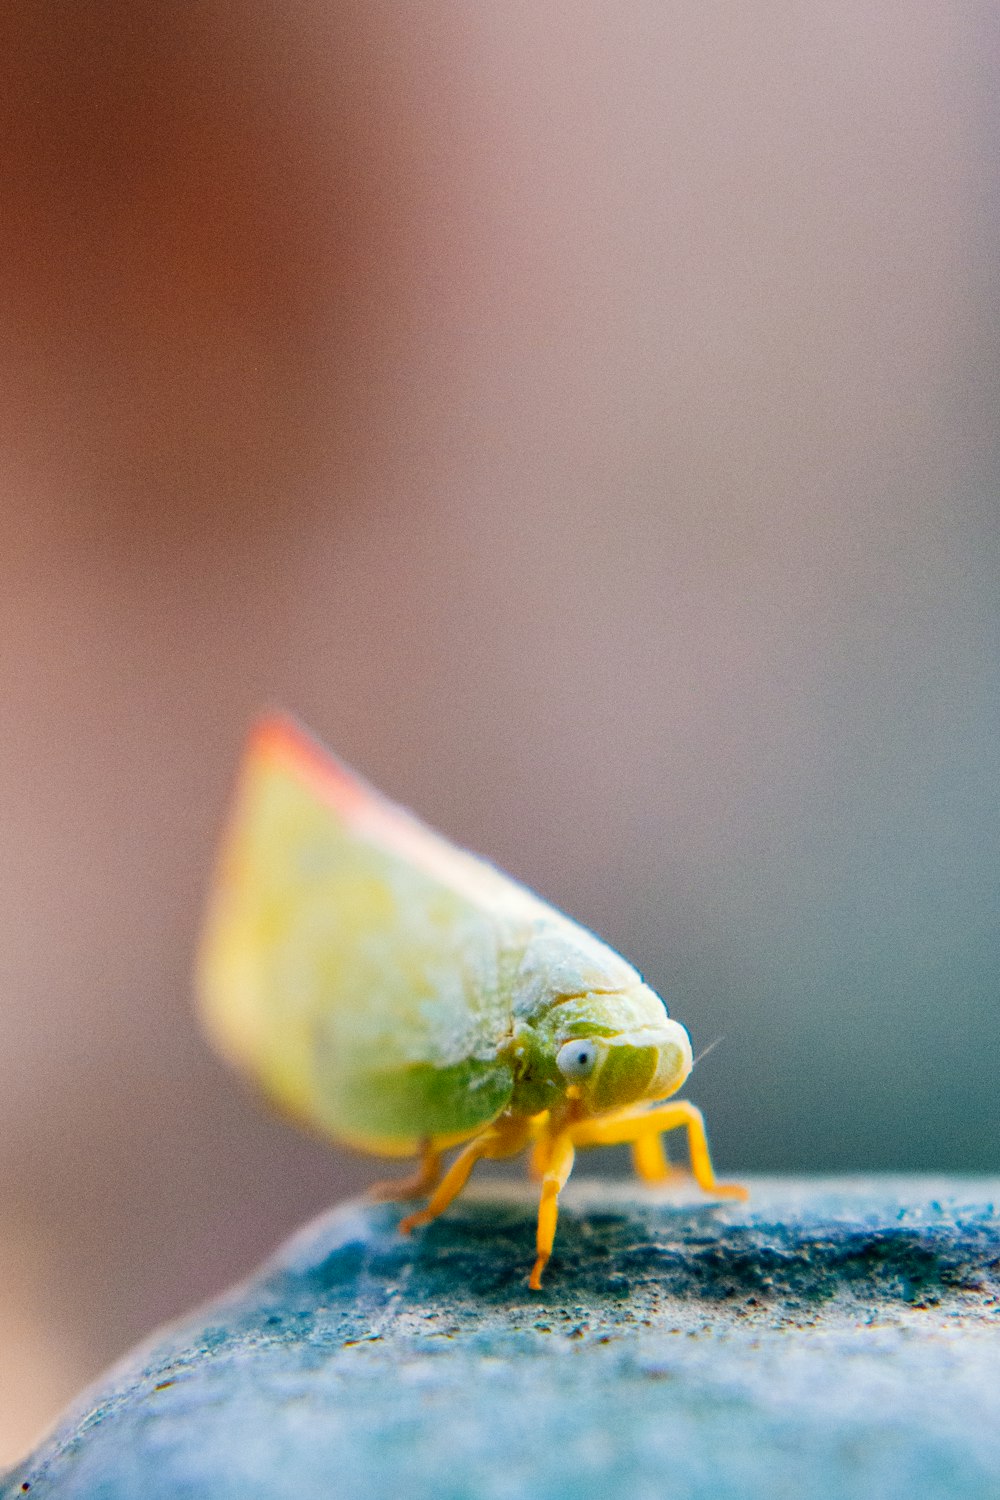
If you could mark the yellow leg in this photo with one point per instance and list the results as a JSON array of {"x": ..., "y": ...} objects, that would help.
[
  {"x": 496, "y": 1140},
  {"x": 636, "y": 1125},
  {"x": 421, "y": 1181},
  {"x": 557, "y": 1170},
  {"x": 539, "y": 1158},
  {"x": 651, "y": 1162}
]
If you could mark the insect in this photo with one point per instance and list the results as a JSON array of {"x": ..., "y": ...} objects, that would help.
[{"x": 405, "y": 997}]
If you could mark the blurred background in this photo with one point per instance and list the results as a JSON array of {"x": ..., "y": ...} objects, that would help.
[{"x": 585, "y": 417}]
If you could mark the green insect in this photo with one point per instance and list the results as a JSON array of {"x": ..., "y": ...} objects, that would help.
[{"x": 404, "y": 997}]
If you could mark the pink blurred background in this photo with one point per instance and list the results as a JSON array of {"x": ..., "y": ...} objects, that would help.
[{"x": 585, "y": 417}]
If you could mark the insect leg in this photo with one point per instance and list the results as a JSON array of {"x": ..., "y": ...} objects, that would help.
[
  {"x": 503, "y": 1139},
  {"x": 421, "y": 1181},
  {"x": 558, "y": 1168},
  {"x": 650, "y": 1160},
  {"x": 541, "y": 1149},
  {"x": 633, "y": 1125}
]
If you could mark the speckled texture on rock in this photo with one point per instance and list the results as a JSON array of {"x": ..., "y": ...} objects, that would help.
[{"x": 835, "y": 1339}]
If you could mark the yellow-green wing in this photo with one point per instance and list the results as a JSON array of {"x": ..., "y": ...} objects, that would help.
[{"x": 357, "y": 965}]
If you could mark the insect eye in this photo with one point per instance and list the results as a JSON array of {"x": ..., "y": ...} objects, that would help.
[{"x": 577, "y": 1059}]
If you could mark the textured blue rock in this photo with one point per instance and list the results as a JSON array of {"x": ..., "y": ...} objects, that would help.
[{"x": 826, "y": 1340}]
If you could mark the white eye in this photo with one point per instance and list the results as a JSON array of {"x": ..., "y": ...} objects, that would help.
[{"x": 577, "y": 1059}]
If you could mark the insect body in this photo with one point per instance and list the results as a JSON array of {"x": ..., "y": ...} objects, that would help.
[{"x": 405, "y": 997}]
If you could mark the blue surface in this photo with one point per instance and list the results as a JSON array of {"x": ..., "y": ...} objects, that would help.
[{"x": 824, "y": 1340}]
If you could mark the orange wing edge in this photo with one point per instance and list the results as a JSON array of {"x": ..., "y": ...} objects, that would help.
[{"x": 280, "y": 738}]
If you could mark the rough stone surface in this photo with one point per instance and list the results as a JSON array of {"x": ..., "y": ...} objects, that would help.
[{"x": 827, "y": 1339}]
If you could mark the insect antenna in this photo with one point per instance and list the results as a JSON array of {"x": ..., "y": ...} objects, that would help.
[{"x": 706, "y": 1050}]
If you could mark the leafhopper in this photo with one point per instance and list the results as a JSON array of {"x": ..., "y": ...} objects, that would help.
[{"x": 398, "y": 994}]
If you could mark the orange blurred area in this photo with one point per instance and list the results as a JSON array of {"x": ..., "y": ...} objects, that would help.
[{"x": 586, "y": 419}]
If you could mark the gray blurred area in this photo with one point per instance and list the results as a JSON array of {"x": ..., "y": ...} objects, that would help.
[{"x": 585, "y": 417}]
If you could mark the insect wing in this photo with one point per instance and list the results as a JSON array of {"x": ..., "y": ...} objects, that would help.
[{"x": 357, "y": 965}]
